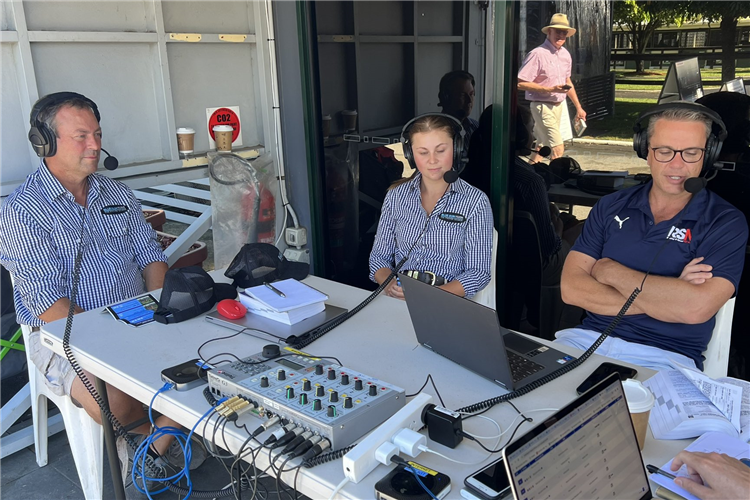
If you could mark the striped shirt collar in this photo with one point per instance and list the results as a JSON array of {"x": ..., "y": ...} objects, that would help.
[
  {"x": 53, "y": 188},
  {"x": 551, "y": 46}
]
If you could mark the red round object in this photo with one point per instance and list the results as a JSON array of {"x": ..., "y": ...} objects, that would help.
[{"x": 231, "y": 309}]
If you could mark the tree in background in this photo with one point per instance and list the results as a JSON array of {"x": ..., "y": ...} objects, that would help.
[
  {"x": 641, "y": 18},
  {"x": 727, "y": 13}
]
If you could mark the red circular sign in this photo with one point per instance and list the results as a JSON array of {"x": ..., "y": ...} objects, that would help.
[{"x": 224, "y": 116}]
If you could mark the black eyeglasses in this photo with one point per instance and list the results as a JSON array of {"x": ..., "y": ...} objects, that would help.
[{"x": 689, "y": 155}]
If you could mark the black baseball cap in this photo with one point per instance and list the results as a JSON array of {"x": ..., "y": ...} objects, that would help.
[
  {"x": 258, "y": 263},
  {"x": 189, "y": 292}
]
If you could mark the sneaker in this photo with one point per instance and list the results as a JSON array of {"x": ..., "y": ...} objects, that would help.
[{"x": 176, "y": 457}]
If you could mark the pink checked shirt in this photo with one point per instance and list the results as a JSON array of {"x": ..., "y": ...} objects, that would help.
[{"x": 548, "y": 67}]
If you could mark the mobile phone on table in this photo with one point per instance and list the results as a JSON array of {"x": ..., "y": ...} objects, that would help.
[
  {"x": 137, "y": 311},
  {"x": 603, "y": 371},
  {"x": 490, "y": 482}
]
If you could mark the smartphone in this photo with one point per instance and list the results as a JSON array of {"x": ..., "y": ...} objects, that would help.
[
  {"x": 490, "y": 482},
  {"x": 602, "y": 372},
  {"x": 137, "y": 311},
  {"x": 566, "y": 87}
]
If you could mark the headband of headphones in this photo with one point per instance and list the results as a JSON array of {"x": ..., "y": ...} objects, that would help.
[
  {"x": 713, "y": 143},
  {"x": 459, "y": 135},
  {"x": 41, "y": 136}
]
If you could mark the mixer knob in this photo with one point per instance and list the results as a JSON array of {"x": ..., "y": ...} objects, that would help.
[
  {"x": 264, "y": 381},
  {"x": 348, "y": 402},
  {"x": 317, "y": 405},
  {"x": 344, "y": 379},
  {"x": 320, "y": 391},
  {"x": 303, "y": 399},
  {"x": 331, "y": 374},
  {"x": 373, "y": 390},
  {"x": 358, "y": 384},
  {"x": 331, "y": 411},
  {"x": 306, "y": 385},
  {"x": 290, "y": 392},
  {"x": 333, "y": 397},
  {"x": 318, "y": 369},
  {"x": 281, "y": 374}
]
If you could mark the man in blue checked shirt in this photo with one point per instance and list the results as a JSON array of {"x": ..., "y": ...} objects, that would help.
[{"x": 61, "y": 207}]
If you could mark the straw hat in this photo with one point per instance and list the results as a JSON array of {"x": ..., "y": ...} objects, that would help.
[{"x": 560, "y": 21}]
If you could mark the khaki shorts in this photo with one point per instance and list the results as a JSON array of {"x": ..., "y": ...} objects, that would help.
[
  {"x": 58, "y": 372},
  {"x": 547, "y": 117}
]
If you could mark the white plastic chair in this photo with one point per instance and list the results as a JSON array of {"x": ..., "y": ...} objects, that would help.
[
  {"x": 85, "y": 436},
  {"x": 717, "y": 352},
  {"x": 486, "y": 296}
]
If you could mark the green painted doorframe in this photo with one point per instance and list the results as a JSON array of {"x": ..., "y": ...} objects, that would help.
[{"x": 503, "y": 113}]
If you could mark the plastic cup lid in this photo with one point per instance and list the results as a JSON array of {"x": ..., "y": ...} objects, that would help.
[
  {"x": 349, "y": 112},
  {"x": 185, "y": 130},
  {"x": 639, "y": 398},
  {"x": 223, "y": 128}
]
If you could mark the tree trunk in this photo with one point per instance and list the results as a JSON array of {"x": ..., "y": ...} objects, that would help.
[{"x": 728, "y": 60}]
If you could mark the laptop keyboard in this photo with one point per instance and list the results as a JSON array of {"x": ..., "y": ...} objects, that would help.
[{"x": 521, "y": 367}]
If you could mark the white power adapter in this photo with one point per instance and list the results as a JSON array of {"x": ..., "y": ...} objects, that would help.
[
  {"x": 409, "y": 441},
  {"x": 295, "y": 236}
]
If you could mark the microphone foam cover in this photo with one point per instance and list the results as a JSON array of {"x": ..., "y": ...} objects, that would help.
[
  {"x": 545, "y": 151},
  {"x": 695, "y": 185},
  {"x": 111, "y": 163},
  {"x": 450, "y": 176}
]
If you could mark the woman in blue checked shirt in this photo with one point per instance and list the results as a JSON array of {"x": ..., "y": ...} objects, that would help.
[{"x": 444, "y": 227}]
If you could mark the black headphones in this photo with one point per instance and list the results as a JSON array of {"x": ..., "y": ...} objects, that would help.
[
  {"x": 43, "y": 138},
  {"x": 459, "y": 135},
  {"x": 713, "y": 143}
]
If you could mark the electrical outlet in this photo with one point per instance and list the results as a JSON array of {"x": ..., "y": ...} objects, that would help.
[
  {"x": 295, "y": 236},
  {"x": 297, "y": 254}
]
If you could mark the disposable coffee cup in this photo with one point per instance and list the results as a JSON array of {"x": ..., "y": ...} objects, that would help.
[
  {"x": 326, "y": 125},
  {"x": 350, "y": 119},
  {"x": 640, "y": 402},
  {"x": 185, "y": 139},
  {"x": 223, "y": 137}
]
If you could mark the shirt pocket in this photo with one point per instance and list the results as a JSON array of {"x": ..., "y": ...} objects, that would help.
[{"x": 117, "y": 228}]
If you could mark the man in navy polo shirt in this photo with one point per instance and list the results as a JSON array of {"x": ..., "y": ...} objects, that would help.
[{"x": 692, "y": 245}]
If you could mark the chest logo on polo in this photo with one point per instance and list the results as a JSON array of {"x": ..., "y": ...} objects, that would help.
[
  {"x": 681, "y": 235},
  {"x": 620, "y": 222}
]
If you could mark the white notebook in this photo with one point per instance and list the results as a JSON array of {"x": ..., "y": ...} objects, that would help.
[{"x": 297, "y": 295}]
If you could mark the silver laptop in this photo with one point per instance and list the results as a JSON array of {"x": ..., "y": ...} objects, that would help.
[
  {"x": 469, "y": 334},
  {"x": 586, "y": 450},
  {"x": 276, "y": 331}
]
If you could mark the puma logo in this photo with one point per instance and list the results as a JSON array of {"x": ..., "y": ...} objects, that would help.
[{"x": 620, "y": 222}]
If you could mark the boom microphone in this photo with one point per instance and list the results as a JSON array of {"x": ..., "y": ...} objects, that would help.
[
  {"x": 544, "y": 151},
  {"x": 110, "y": 162},
  {"x": 695, "y": 185},
  {"x": 451, "y": 176}
]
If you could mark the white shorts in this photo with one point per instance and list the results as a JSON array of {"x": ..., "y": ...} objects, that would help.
[
  {"x": 613, "y": 347},
  {"x": 547, "y": 118},
  {"x": 58, "y": 372}
]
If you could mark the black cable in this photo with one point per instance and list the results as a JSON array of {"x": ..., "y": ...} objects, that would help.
[
  {"x": 327, "y": 457},
  {"x": 428, "y": 380}
]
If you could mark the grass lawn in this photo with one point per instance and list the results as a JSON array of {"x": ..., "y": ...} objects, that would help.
[
  {"x": 620, "y": 126},
  {"x": 659, "y": 75}
]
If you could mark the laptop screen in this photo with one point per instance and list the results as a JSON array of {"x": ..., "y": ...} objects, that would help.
[{"x": 586, "y": 450}]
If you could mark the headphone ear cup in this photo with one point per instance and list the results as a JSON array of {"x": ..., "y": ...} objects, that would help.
[
  {"x": 408, "y": 154},
  {"x": 640, "y": 143},
  {"x": 43, "y": 141},
  {"x": 713, "y": 148},
  {"x": 458, "y": 146}
]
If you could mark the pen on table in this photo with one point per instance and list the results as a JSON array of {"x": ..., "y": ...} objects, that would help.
[
  {"x": 275, "y": 290},
  {"x": 655, "y": 470}
]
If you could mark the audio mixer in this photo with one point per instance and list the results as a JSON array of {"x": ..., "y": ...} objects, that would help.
[{"x": 332, "y": 401}]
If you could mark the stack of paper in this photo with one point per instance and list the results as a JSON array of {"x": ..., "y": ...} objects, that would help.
[{"x": 298, "y": 303}]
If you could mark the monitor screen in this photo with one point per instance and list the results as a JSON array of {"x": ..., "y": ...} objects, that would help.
[{"x": 587, "y": 450}]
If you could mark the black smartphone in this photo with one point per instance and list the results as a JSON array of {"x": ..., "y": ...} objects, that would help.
[
  {"x": 566, "y": 87},
  {"x": 490, "y": 482},
  {"x": 602, "y": 372}
]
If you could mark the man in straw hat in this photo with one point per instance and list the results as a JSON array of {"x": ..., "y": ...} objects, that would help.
[{"x": 545, "y": 76}]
